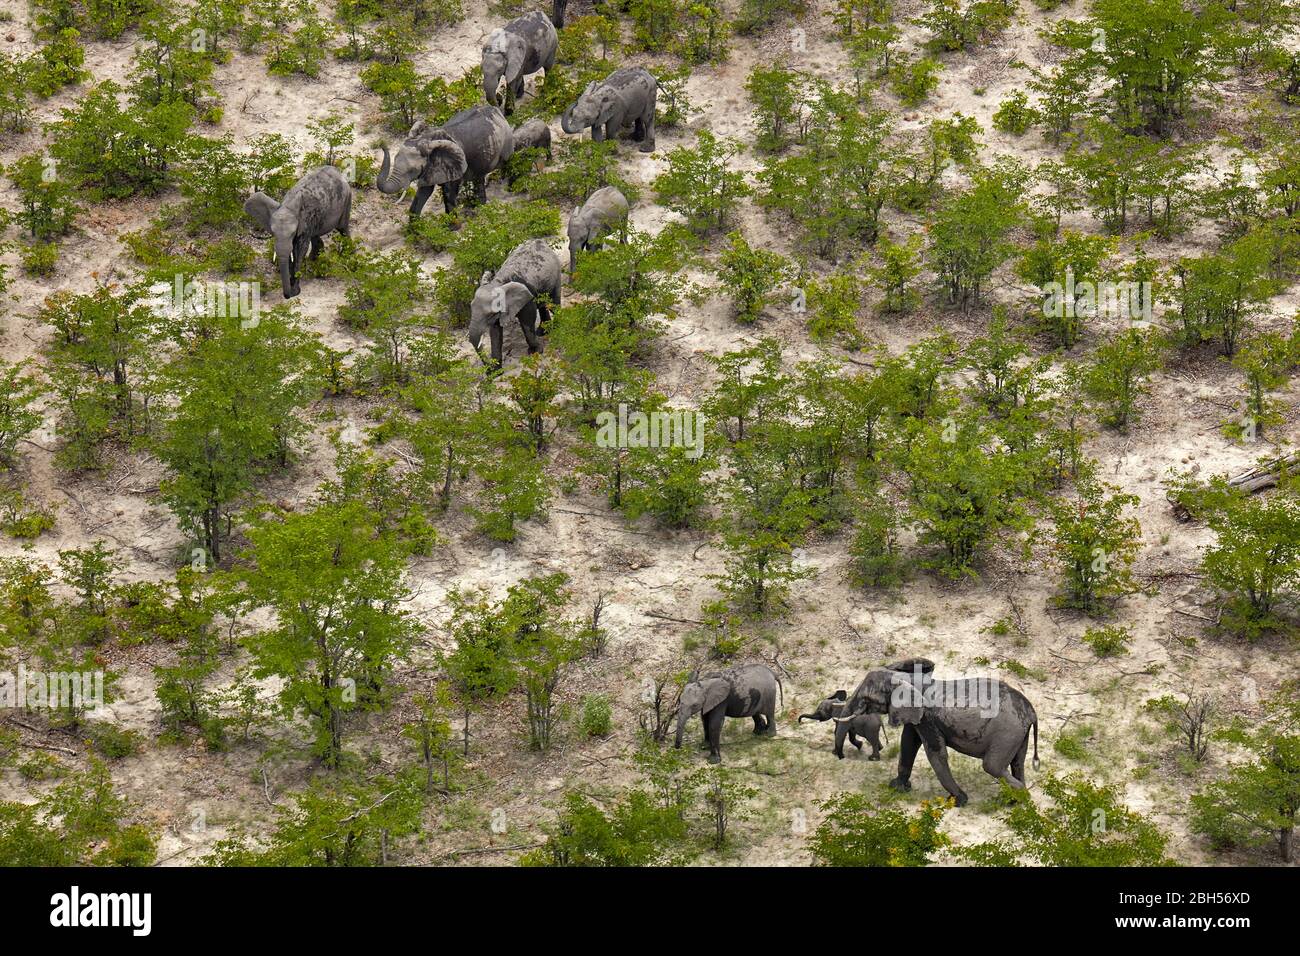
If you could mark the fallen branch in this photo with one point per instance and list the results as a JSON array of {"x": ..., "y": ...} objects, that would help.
[
  {"x": 675, "y": 620},
  {"x": 1257, "y": 479}
]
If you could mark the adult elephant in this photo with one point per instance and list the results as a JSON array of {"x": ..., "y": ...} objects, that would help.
[
  {"x": 470, "y": 145},
  {"x": 748, "y": 691},
  {"x": 604, "y": 211},
  {"x": 317, "y": 205},
  {"x": 515, "y": 51},
  {"x": 532, "y": 270},
  {"x": 977, "y": 716},
  {"x": 624, "y": 99},
  {"x": 866, "y": 726}
]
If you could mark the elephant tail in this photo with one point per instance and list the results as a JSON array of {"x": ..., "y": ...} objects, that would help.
[{"x": 1035, "y": 743}]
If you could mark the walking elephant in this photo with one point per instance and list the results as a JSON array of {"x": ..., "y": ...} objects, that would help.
[
  {"x": 748, "y": 691},
  {"x": 531, "y": 270},
  {"x": 605, "y": 210},
  {"x": 515, "y": 51},
  {"x": 317, "y": 205},
  {"x": 626, "y": 98},
  {"x": 470, "y": 145},
  {"x": 866, "y": 726},
  {"x": 977, "y": 716}
]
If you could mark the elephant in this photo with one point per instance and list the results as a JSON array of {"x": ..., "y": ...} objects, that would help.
[
  {"x": 624, "y": 98},
  {"x": 318, "y": 204},
  {"x": 557, "y": 13},
  {"x": 513, "y": 52},
  {"x": 747, "y": 691},
  {"x": 863, "y": 725},
  {"x": 531, "y": 270},
  {"x": 977, "y": 716},
  {"x": 534, "y": 134},
  {"x": 604, "y": 210},
  {"x": 471, "y": 144}
]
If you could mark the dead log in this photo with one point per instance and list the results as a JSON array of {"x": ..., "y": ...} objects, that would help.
[{"x": 1257, "y": 479}]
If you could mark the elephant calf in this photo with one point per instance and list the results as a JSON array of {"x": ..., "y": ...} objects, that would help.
[
  {"x": 531, "y": 270},
  {"x": 623, "y": 100},
  {"x": 534, "y": 134},
  {"x": 604, "y": 211},
  {"x": 863, "y": 725},
  {"x": 748, "y": 691}
]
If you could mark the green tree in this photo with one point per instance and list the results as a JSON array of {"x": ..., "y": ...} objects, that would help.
[
  {"x": 858, "y": 832},
  {"x": 699, "y": 185},
  {"x": 1095, "y": 543}
]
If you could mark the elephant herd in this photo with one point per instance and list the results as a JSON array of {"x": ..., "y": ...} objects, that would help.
[
  {"x": 976, "y": 716},
  {"x": 472, "y": 145}
]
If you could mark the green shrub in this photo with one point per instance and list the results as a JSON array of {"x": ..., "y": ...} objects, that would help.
[
  {"x": 595, "y": 720},
  {"x": 1108, "y": 641}
]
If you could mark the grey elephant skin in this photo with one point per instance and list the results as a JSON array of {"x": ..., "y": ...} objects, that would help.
[
  {"x": 514, "y": 52},
  {"x": 531, "y": 270},
  {"x": 317, "y": 205},
  {"x": 624, "y": 99},
  {"x": 604, "y": 211},
  {"x": 747, "y": 691},
  {"x": 866, "y": 726},
  {"x": 557, "y": 12},
  {"x": 470, "y": 145},
  {"x": 534, "y": 134},
  {"x": 977, "y": 716}
]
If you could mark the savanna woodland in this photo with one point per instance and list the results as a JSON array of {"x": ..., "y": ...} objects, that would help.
[{"x": 821, "y": 336}]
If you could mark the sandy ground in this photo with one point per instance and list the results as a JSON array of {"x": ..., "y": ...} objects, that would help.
[{"x": 832, "y": 631}]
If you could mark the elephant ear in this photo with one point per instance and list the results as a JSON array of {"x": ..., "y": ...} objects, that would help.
[
  {"x": 419, "y": 127},
  {"x": 912, "y": 665},
  {"x": 906, "y": 704},
  {"x": 260, "y": 206},
  {"x": 446, "y": 161},
  {"x": 514, "y": 296},
  {"x": 715, "y": 693},
  {"x": 514, "y": 59}
]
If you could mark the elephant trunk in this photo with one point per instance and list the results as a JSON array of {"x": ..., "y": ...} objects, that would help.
[
  {"x": 386, "y": 182},
  {"x": 286, "y": 276},
  {"x": 803, "y": 717},
  {"x": 682, "y": 717},
  {"x": 567, "y": 122}
]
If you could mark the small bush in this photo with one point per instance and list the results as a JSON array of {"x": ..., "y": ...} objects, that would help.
[
  {"x": 595, "y": 720},
  {"x": 1108, "y": 641}
]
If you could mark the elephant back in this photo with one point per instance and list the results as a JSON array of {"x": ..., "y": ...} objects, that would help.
[
  {"x": 484, "y": 135},
  {"x": 534, "y": 263}
]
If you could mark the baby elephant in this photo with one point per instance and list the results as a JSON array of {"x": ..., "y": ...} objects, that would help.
[
  {"x": 531, "y": 270},
  {"x": 604, "y": 210},
  {"x": 863, "y": 725},
  {"x": 748, "y": 691},
  {"x": 534, "y": 134}
]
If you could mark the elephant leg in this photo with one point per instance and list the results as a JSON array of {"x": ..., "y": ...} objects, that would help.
[
  {"x": 317, "y": 244},
  {"x": 611, "y": 130},
  {"x": 480, "y": 190},
  {"x": 853, "y": 739},
  {"x": 345, "y": 221},
  {"x": 528, "y": 323},
  {"x": 494, "y": 332},
  {"x": 841, "y": 731},
  {"x": 713, "y": 732},
  {"x": 907, "y": 749},
  {"x": 422, "y": 194},
  {"x": 450, "y": 192},
  {"x": 937, "y": 753},
  {"x": 998, "y": 761},
  {"x": 648, "y": 133},
  {"x": 874, "y": 738},
  {"x": 759, "y": 724},
  {"x": 1018, "y": 761}
]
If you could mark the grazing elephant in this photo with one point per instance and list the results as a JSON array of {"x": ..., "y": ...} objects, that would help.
[
  {"x": 557, "y": 13},
  {"x": 471, "y": 144},
  {"x": 531, "y": 270},
  {"x": 748, "y": 691},
  {"x": 863, "y": 725},
  {"x": 977, "y": 716},
  {"x": 534, "y": 134},
  {"x": 317, "y": 204},
  {"x": 625, "y": 98},
  {"x": 604, "y": 210},
  {"x": 513, "y": 52}
]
